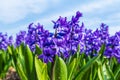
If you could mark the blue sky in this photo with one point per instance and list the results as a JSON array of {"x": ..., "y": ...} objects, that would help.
[{"x": 16, "y": 15}]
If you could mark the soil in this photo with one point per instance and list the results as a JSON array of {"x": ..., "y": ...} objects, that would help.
[{"x": 11, "y": 74}]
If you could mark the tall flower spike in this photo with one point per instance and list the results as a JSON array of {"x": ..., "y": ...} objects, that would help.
[
  {"x": 5, "y": 41},
  {"x": 20, "y": 38}
]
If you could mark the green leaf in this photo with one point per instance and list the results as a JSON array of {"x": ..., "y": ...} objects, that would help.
[
  {"x": 21, "y": 49},
  {"x": 1, "y": 62},
  {"x": 71, "y": 68},
  {"x": 95, "y": 71},
  {"x": 38, "y": 51},
  {"x": 1, "y": 51},
  {"x": 85, "y": 68},
  {"x": 100, "y": 71},
  {"x": 22, "y": 63},
  {"x": 5, "y": 63},
  {"x": 9, "y": 50},
  {"x": 21, "y": 58},
  {"x": 45, "y": 73},
  {"x": 109, "y": 71},
  {"x": 49, "y": 68},
  {"x": 21, "y": 73},
  {"x": 38, "y": 66},
  {"x": 41, "y": 69},
  {"x": 59, "y": 69},
  {"x": 28, "y": 56},
  {"x": 117, "y": 71},
  {"x": 102, "y": 51}
]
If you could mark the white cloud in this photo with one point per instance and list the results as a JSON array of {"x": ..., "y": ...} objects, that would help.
[
  {"x": 12, "y": 10},
  {"x": 92, "y": 6},
  {"x": 85, "y": 8},
  {"x": 18, "y": 10},
  {"x": 96, "y": 5},
  {"x": 15, "y": 10}
]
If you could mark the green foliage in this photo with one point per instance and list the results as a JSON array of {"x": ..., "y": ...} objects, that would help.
[
  {"x": 41, "y": 69},
  {"x": 5, "y": 62},
  {"x": 77, "y": 67},
  {"x": 59, "y": 69},
  {"x": 38, "y": 51},
  {"x": 85, "y": 68},
  {"x": 29, "y": 63},
  {"x": 71, "y": 69}
]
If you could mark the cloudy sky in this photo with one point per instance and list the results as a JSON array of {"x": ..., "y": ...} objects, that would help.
[{"x": 15, "y": 15}]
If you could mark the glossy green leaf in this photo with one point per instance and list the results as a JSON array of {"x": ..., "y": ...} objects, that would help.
[
  {"x": 59, "y": 69},
  {"x": 100, "y": 71},
  {"x": 45, "y": 73},
  {"x": 21, "y": 73},
  {"x": 41, "y": 69},
  {"x": 117, "y": 71},
  {"x": 38, "y": 66},
  {"x": 29, "y": 62},
  {"x": 71, "y": 68},
  {"x": 38, "y": 51},
  {"x": 101, "y": 52},
  {"x": 85, "y": 68},
  {"x": 109, "y": 72},
  {"x": 9, "y": 50}
]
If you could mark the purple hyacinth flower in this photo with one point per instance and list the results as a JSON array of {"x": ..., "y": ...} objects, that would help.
[
  {"x": 5, "y": 41},
  {"x": 20, "y": 38},
  {"x": 48, "y": 54}
]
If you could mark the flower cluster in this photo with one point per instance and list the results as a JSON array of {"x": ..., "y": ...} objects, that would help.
[
  {"x": 66, "y": 38},
  {"x": 20, "y": 38},
  {"x": 95, "y": 39},
  {"x": 35, "y": 35},
  {"x": 5, "y": 41},
  {"x": 68, "y": 34},
  {"x": 113, "y": 46}
]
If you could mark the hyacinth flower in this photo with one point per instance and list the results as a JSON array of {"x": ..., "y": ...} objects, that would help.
[
  {"x": 66, "y": 38},
  {"x": 68, "y": 34},
  {"x": 35, "y": 35},
  {"x": 61, "y": 31},
  {"x": 20, "y": 38},
  {"x": 5, "y": 41},
  {"x": 113, "y": 47},
  {"x": 64, "y": 42},
  {"x": 95, "y": 39},
  {"x": 48, "y": 53},
  {"x": 76, "y": 33},
  {"x": 49, "y": 49},
  {"x": 117, "y": 46},
  {"x": 88, "y": 41}
]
